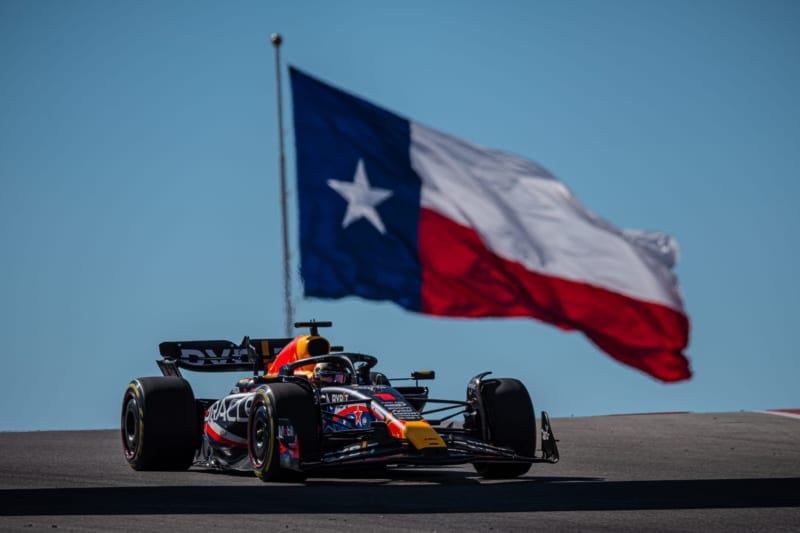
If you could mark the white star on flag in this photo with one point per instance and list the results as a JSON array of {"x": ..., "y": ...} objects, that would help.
[{"x": 361, "y": 198}]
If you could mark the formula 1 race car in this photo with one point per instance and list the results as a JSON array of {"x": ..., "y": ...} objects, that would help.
[{"x": 309, "y": 407}]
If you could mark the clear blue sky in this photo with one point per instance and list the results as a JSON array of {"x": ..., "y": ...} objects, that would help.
[{"x": 139, "y": 184}]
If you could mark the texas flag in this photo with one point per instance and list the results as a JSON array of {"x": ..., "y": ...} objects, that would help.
[{"x": 391, "y": 209}]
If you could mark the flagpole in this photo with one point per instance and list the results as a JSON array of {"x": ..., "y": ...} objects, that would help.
[{"x": 287, "y": 291}]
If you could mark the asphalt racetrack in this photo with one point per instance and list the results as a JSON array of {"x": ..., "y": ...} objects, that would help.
[{"x": 661, "y": 472}]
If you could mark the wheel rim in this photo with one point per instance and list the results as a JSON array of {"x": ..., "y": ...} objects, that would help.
[
  {"x": 260, "y": 436},
  {"x": 130, "y": 426}
]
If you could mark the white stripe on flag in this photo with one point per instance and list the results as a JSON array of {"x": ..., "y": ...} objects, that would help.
[{"x": 524, "y": 214}]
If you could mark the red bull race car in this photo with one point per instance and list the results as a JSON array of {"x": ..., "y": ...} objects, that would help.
[{"x": 308, "y": 407}]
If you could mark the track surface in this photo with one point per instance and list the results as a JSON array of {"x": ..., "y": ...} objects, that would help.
[{"x": 667, "y": 472}]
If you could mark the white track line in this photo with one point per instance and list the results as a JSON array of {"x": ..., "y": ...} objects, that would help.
[{"x": 780, "y": 413}]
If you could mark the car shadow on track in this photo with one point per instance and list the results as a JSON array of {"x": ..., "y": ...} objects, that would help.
[{"x": 418, "y": 496}]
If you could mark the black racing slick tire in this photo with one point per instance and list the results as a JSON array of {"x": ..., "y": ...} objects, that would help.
[
  {"x": 159, "y": 423},
  {"x": 275, "y": 408},
  {"x": 509, "y": 422},
  {"x": 378, "y": 378}
]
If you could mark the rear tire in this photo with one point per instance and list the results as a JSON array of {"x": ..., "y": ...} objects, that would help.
[
  {"x": 378, "y": 378},
  {"x": 159, "y": 424},
  {"x": 510, "y": 423},
  {"x": 282, "y": 401}
]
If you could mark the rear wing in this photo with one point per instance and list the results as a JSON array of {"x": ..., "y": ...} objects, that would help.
[{"x": 218, "y": 355}]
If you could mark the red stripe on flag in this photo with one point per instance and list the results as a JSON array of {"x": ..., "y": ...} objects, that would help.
[{"x": 461, "y": 278}]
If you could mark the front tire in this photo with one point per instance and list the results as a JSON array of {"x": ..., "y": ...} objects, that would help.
[
  {"x": 509, "y": 422},
  {"x": 272, "y": 406},
  {"x": 262, "y": 440},
  {"x": 159, "y": 424}
]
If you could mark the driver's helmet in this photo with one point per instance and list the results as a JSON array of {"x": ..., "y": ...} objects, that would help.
[{"x": 330, "y": 373}]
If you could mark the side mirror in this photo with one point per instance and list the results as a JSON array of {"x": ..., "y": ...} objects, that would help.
[{"x": 423, "y": 374}]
